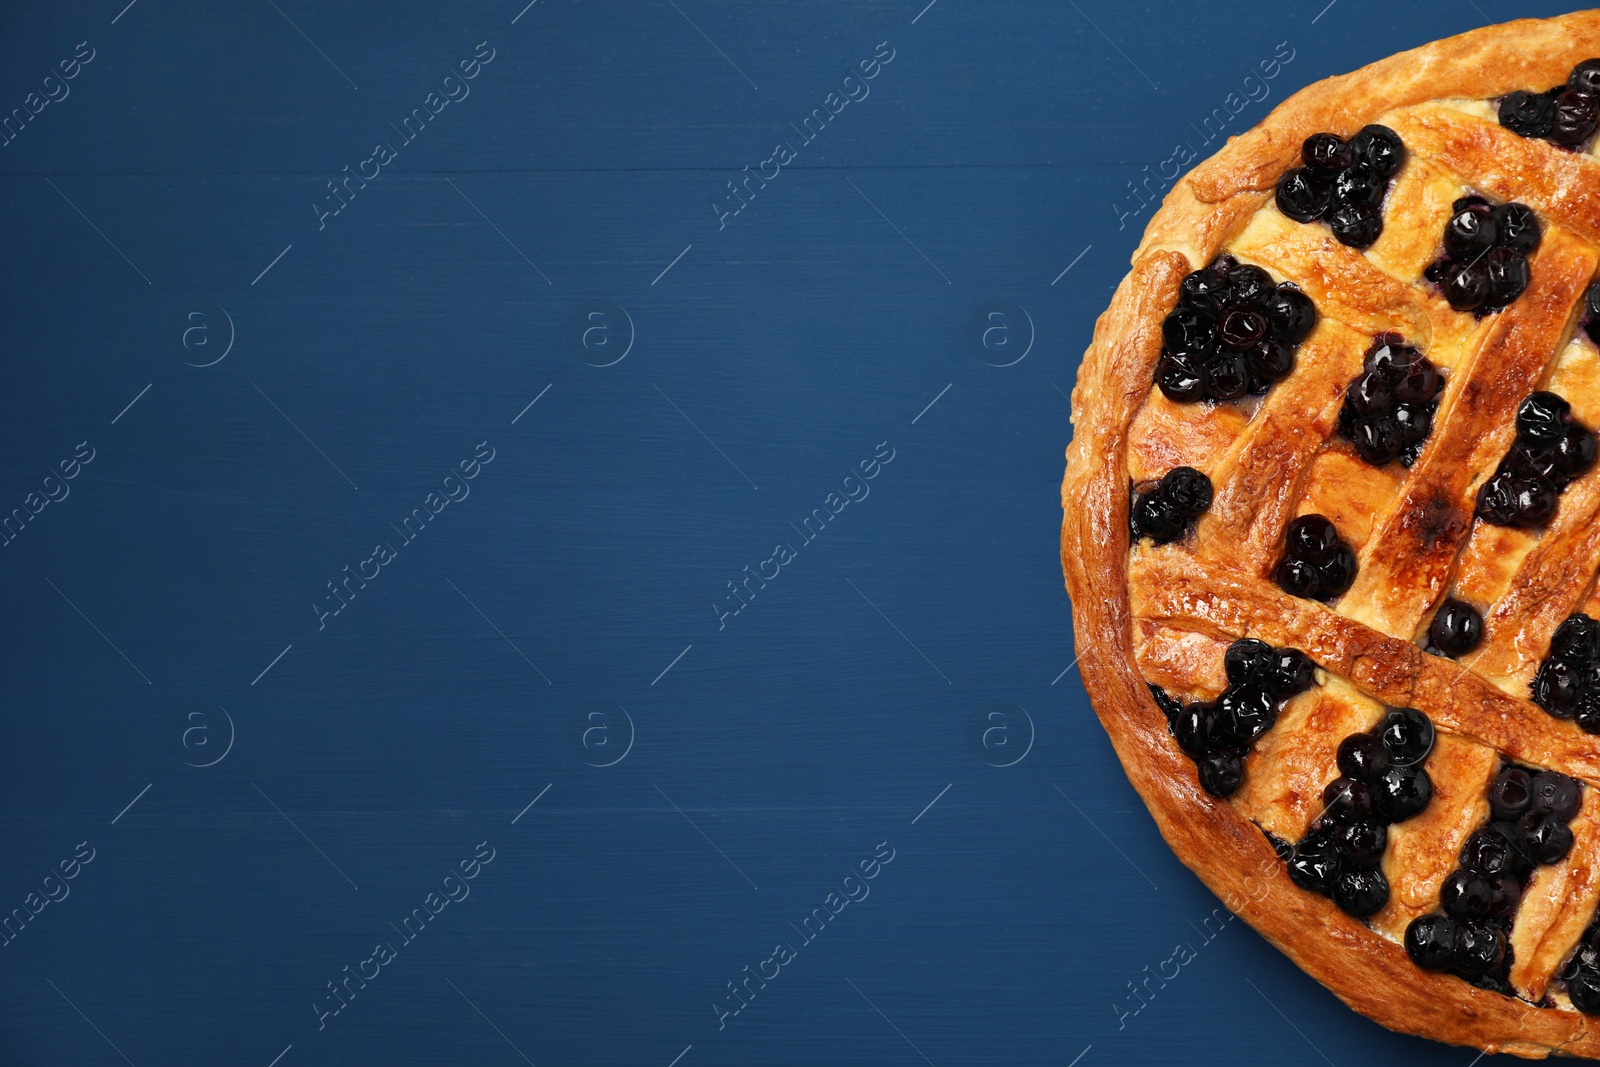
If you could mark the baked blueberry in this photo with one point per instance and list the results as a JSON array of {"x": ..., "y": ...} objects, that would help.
[
  {"x": 1518, "y": 227},
  {"x": 1358, "y": 184},
  {"x": 1221, "y": 772},
  {"x": 1487, "y": 852},
  {"x": 1542, "y": 418},
  {"x": 1577, "y": 639},
  {"x": 1194, "y": 727},
  {"x": 1457, "y": 628},
  {"x": 1247, "y": 661},
  {"x": 1338, "y": 573},
  {"x": 1575, "y": 120},
  {"x": 1431, "y": 942},
  {"x": 1249, "y": 284},
  {"x": 1246, "y": 712},
  {"x": 1240, "y": 326},
  {"x": 1312, "y": 538},
  {"x": 1315, "y": 864},
  {"x": 1556, "y": 793},
  {"x": 1298, "y": 578},
  {"x": 1271, "y": 360},
  {"x": 1480, "y": 948},
  {"x": 1556, "y": 688},
  {"x": 1528, "y": 114},
  {"x": 1466, "y": 285},
  {"x": 1407, "y": 734},
  {"x": 1326, "y": 152},
  {"x": 1419, "y": 382},
  {"x": 1181, "y": 379},
  {"x": 1585, "y": 77},
  {"x": 1156, "y": 517},
  {"x": 1584, "y": 990},
  {"x": 1358, "y": 224},
  {"x": 1380, "y": 147},
  {"x": 1575, "y": 453},
  {"x": 1508, "y": 275},
  {"x": 1543, "y": 837},
  {"x": 1362, "y": 842},
  {"x": 1401, "y": 793},
  {"x": 1470, "y": 231},
  {"x": 1511, "y": 794},
  {"x": 1465, "y": 895},
  {"x": 1363, "y": 757},
  {"x": 1189, "y": 333},
  {"x": 1291, "y": 672},
  {"x": 1228, "y": 376},
  {"x": 1505, "y": 892},
  {"x": 1303, "y": 195},
  {"x": 1202, "y": 292},
  {"x": 1361, "y": 891},
  {"x": 1369, "y": 394},
  {"x": 1587, "y": 714},
  {"x": 1347, "y": 800},
  {"x": 1290, "y": 313},
  {"x": 1188, "y": 490}
]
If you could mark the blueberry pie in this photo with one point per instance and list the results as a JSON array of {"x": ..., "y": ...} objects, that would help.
[{"x": 1332, "y": 532}]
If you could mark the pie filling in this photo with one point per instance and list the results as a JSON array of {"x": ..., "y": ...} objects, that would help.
[
  {"x": 1234, "y": 332},
  {"x": 1568, "y": 682},
  {"x": 1566, "y": 115},
  {"x": 1165, "y": 511},
  {"x": 1317, "y": 564},
  {"x": 1388, "y": 409},
  {"x": 1217, "y": 734},
  {"x": 1343, "y": 183},
  {"x": 1484, "y": 263},
  {"x": 1552, "y": 450},
  {"x": 1529, "y": 811},
  {"x": 1381, "y": 782}
]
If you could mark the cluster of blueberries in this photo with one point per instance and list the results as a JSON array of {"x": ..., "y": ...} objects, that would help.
[
  {"x": 1568, "y": 682},
  {"x": 1233, "y": 332},
  {"x": 1388, "y": 409},
  {"x": 1582, "y": 971},
  {"x": 1552, "y": 449},
  {"x": 1566, "y": 115},
  {"x": 1343, "y": 182},
  {"x": 1486, "y": 248},
  {"x": 1217, "y": 734},
  {"x": 1317, "y": 563},
  {"x": 1457, "y": 629},
  {"x": 1529, "y": 811},
  {"x": 1381, "y": 781},
  {"x": 1163, "y": 513}
]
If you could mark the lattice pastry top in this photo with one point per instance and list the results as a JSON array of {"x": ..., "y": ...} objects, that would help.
[{"x": 1331, "y": 533}]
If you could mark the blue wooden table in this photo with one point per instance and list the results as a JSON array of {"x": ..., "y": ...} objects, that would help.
[{"x": 531, "y": 533}]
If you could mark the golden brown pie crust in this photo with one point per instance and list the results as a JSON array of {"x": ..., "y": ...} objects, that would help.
[{"x": 1178, "y": 604}]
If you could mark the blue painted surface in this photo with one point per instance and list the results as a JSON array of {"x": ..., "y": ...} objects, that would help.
[{"x": 563, "y": 605}]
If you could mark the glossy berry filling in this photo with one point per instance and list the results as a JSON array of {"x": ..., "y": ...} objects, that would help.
[
  {"x": 1568, "y": 682},
  {"x": 1218, "y": 734},
  {"x": 1381, "y": 782},
  {"x": 1388, "y": 409},
  {"x": 1581, "y": 973},
  {"x": 1317, "y": 564},
  {"x": 1234, "y": 332},
  {"x": 1566, "y": 115},
  {"x": 1484, "y": 263},
  {"x": 1456, "y": 630},
  {"x": 1529, "y": 811},
  {"x": 1343, "y": 183},
  {"x": 1552, "y": 450},
  {"x": 1165, "y": 511}
]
